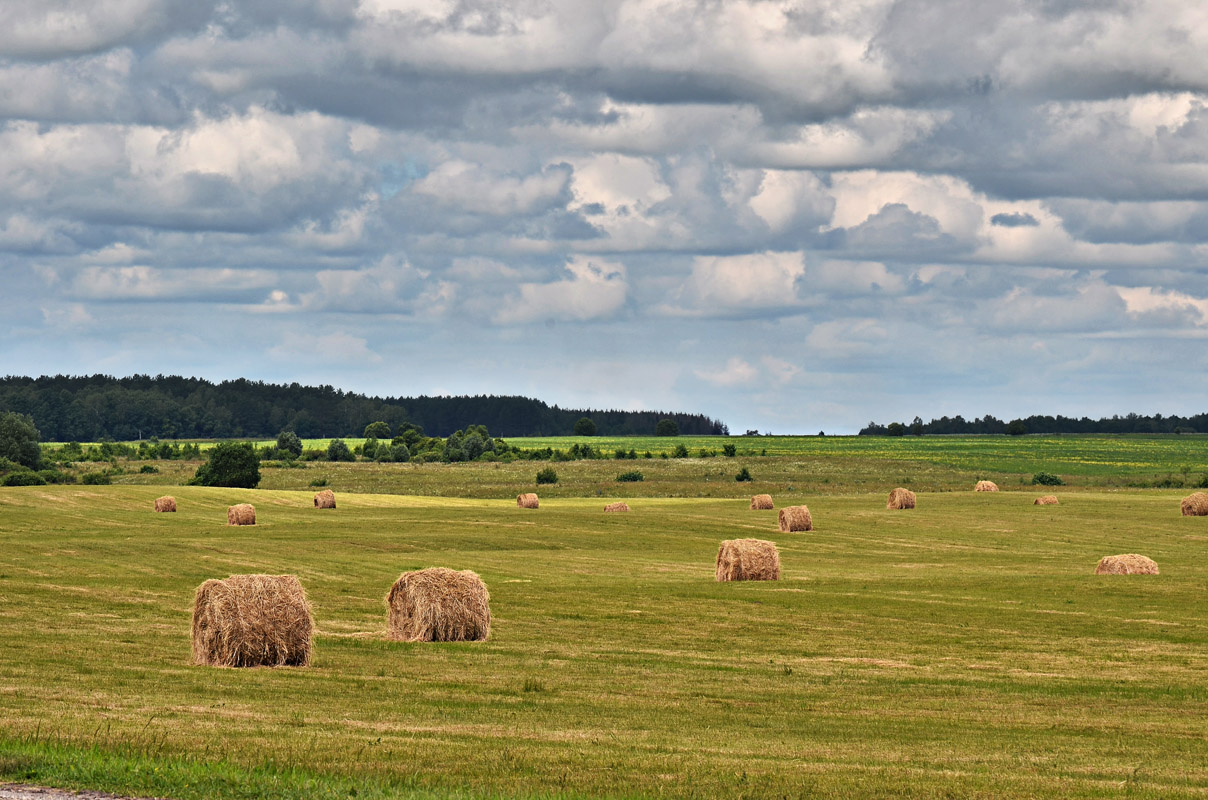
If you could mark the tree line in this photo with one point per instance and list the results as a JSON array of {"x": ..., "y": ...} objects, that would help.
[
  {"x": 1129, "y": 423},
  {"x": 98, "y": 407}
]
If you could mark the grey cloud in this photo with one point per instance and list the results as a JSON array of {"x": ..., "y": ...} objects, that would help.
[{"x": 1015, "y": 220}]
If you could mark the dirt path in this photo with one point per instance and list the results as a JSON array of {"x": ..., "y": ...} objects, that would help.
[{"x": 17, "y": 791}]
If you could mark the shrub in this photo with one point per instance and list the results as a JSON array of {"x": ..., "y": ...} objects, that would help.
[
  {"x": 54, "y": 476},
  {"x": 24, "y": 478},
  {"x": 147, "y": 469},
  {"x": 680, "y": 452},
  {"x": 547, "y": 475},
  {"x": 95, "y": 478},
  {"x": 19, "y": 439},
  {"x": 585, "y": 427},
  {"x": 1046, "y": 479},
  {"x": 369, "y": 448},
  {"x": 318, "y": 483},
  {"x": 231, "y": 464},
  {"x": 633, "y": 476},
  {"x": 377, "y": 430},
  {"x": 288, "y": 444},
  {"x": 399, "y": 453},
  {"x": 337, "y": 450},
  {"x": 743, "y": 476},
  {"x": 666, "y": 427},
  {"x": 1203, "y": 484},
  {"x": 729, "y": 450}
]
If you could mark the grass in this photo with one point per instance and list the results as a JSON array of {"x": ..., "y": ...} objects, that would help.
[{"x": 963, "y": 649}]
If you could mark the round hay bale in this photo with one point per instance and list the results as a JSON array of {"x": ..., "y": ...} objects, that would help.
[
  {"x": 900, "y": 499},
  {"x": 165, "y": 504},
  {"x": 1195, "y": 505},
  {"x": 325, "y": 499},
  {"x": 252, "y": 621},
  {"x": 795, "y": 518},
  {"x": 613, "y": 508},
  {"x": 986, "y": 486},
  {"x": 1127, "y": 564},
  {"x": 748, "y": 560},
  {"x": 527, "y": 500},
  {"x": 762, "y": 502},
  {"x": 438, "y": 605},
  {"x": 241, "y": 514},
  {"x": 1047, "y": 500}
]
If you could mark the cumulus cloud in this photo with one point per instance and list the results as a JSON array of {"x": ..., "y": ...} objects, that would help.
[{"x": 595, "y": 289}]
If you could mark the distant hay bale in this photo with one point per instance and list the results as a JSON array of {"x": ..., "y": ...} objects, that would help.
[
  {"x": 241, "y": 514},
  {"x": 762, "y": 502},
  {"x": 527, "y": 500},
  {"x": 165, "y": 503},
  {"x": 796, "y": 518},
  {"x": 252, "y": 621},
  {"x": 986, "y": 486},
  {"x": 748, "y": 560},
  {"x": 1195, "y": 505},
  {"x": 438, "y": 605},
  {"x": 1127, "y": 564},
  {"x": 1047, "y": 500},
  {"x": 900, "y": 499},
  {"x": 616, "y": 507},
  {"x": 325, "y": 499}
]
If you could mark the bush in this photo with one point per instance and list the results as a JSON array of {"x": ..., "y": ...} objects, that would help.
[
  {"x": 288, "y": 444},
  {"x": 743, "y": 476},
  {"x": 1203, "y": 484},
  {"x": 666, "y": 427},
  {"x": 1046, "y": 479},
  {"x": 585, "y": 427},
  {"x": 24, "y": 478},
  {"x": 232, "y": 464},
  {"x": 147, "y": 469},
  {"x": 337, "y": 450},
  {"x": 95, "y": 478},
  {"x": 19, "y": 439},
  {"x": 54, "y": 476},
  {"x": 633, "y": 476},
  {"x": 729, "y": 450},
  {"x": 547, "y": 475},
  {"x": 318, "y": 483},
  {"x": 680, "y": 452},
  {"x": 377, "y": 430},
  {"x": 399, "y": 453}
]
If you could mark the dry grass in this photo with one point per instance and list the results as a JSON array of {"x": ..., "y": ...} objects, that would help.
[
  {"x": 900, "y": 499},
  {"x": 165, "y": 503},
  {"x": 439, "y": 605},
  {"x": 1126, "y": 564},
  {"x": 325, "y": 499},
  {"x": 527, "y": 500},
  {"x": 1195, "y": 505},
  {"x": 795, "y": 518},
  {"x": 762, "y": 502},
  {"x": 748, "y": 560},
  {"x": 617, "y": 507},
  {"x": 252, "y": 621},
  {"x": 986, "y": 486},
  {"x": 241, "y": 514}
]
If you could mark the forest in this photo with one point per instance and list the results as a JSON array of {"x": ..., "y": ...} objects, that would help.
[
  {"x": 98, "y": 407},
  {"x": 958, "y": 425}
]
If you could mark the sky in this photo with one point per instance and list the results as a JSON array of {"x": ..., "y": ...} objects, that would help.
[{"x": 791, "y": 216}]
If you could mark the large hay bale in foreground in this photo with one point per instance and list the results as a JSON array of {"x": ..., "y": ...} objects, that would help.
[
  {"x": 241, "y": 514},
  {"x": 900, "y": 499},
  {"x": 165, "y": 504},
  {"x": 1195, "y": 505},
  {"x": 1126, "y": 564},
  {"x": 1047, "y": 500},
  {"x": 795, "y": 518},
  {"x": 252, "y": 621},
  {"x": 762, "y": 502},
  {"x": 986, "y": 486},
  {"x": 325, "y": 499},
  {"x": 527, "y": 500},
  {"x": 748, "y": 560},
  {"x": 439, "y": 605},
  {"x": 613, "y": 508}
]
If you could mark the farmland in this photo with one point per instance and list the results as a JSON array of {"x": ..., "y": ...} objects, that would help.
[{"x": 962, "y": 649}]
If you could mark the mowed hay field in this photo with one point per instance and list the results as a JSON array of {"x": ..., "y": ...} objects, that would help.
[{"x": 962, "y": 649}]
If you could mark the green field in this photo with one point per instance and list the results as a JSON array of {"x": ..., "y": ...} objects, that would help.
[{"x": 960, "y": 650}]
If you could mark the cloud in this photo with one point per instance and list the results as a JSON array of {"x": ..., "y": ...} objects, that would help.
[
  {"x": 755, "y": 282},
  {"x": 596, "y": 289},
  {"x": 1014, "y": 220}
]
